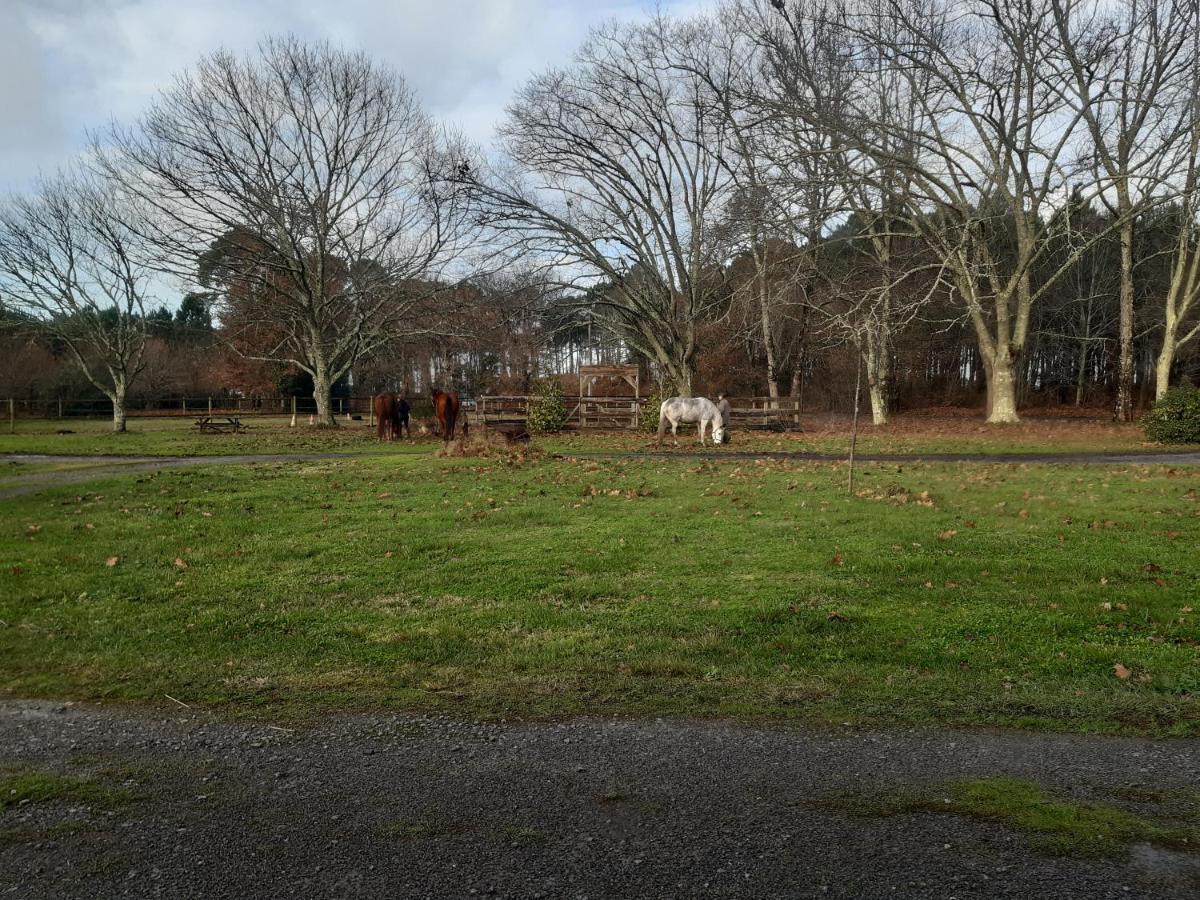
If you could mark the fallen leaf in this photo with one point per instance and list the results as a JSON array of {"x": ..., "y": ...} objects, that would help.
[
  {"x": 836, "y": 616},
  {"x": 838, "y": 559},
  {"x": 1151, "y": 567},
  {"x": 1121, "y": 672},
  {"x": 946, "y": 535},
  {"x": 180, "y": 564},
  {"x": 388, "y": 555},
  {"x": 112, "y": 561}
]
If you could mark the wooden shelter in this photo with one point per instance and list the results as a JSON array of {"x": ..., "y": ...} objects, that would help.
[{"x": 589, "y": 375}]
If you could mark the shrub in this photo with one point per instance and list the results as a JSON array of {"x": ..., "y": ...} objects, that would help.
[
  {"x": 547, "y": 407},
  {"x": 1175, "y": 419},
  {"x": 651, "y": 407}
]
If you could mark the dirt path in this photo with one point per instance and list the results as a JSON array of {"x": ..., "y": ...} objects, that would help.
[
  {"x": 391, "y": 805},
  {"x": 104, "y": 466},
  {"x": 1088, "y": 459}
]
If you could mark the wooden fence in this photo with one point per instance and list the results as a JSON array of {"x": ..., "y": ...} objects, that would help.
[{"x": 612, "y": 413}]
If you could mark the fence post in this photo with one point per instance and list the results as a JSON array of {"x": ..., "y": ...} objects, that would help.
[
  {"x": 210, "y": 405},
  {"x": 60, "y": 407},
  {"x": 185, "y": 406},
  {"x": 293, "y": 425},
  {"x": 12, "y": 417}
]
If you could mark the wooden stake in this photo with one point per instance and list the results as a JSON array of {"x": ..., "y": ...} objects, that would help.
[
  {"x": 293, "y": 425},
  {"x": 12, "y": 417},
  {"x": 854, "y": 427}
]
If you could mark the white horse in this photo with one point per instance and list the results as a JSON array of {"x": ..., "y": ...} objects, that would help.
[
  {"x": 698, "y": 410},
  {"x": 726, "y": 417}
]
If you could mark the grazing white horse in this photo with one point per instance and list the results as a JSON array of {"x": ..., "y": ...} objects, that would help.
[
  {"x": 726, "y": 417},
  {"x": 698, "y": 410}
]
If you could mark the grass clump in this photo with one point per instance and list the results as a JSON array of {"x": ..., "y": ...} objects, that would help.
[
  {"x": 45, "y": 787},
  {"x": 521, "y": 835},
  {"x": 420, "y": 831},
  {"x": 1058, "y": 825}
]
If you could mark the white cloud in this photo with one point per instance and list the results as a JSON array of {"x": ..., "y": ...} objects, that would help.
[{"x": 69, "y": 66}]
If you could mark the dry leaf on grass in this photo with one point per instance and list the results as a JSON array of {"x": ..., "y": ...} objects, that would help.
[
  {"x": 1121, "y": 672},
  {"x": 112, "y": 561}
]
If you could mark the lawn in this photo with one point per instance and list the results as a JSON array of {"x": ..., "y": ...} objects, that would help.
[
  {"x": 821, "y": 433},
  {"x": 1052, "y": 596}
]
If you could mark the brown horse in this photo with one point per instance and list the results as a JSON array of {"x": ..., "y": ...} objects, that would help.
[
  {"x": 391, "y": 416},
  {"x": 446, "y": 407}
]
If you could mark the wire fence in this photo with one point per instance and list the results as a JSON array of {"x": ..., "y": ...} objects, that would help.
[{"x": 182, "y": 407}]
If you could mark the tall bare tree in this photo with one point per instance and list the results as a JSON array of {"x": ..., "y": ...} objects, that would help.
[
  {"x": 991, "y": 159},
  {"x": 614, "y": 174},
  {"x": 326, "y": 184},
  {"x": 1128, "y": 64},
  {"x": 1181, "y": 195},
  {"x": 77, "y": 271}
]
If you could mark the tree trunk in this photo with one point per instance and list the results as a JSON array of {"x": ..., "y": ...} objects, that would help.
[
  {"x": 1000, "y": 370},
  {"x": 322, "y": 394},
  {"x": 1162, "y": 366},
  {"x": 769, "y": 346},
  {"x": 877, "y": 380},
  {"x": 1081, "y": 375},
  {"x": 118, "y": 404},
  {"x": 1124, "y": 408}
]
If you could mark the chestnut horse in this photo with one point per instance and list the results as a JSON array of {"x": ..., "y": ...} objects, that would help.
[
  {"x": 446, "y": 406},
  {"x": 391, "y": 416}
]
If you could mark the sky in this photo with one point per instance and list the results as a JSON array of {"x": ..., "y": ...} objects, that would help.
[{"x": 70, "y": 66}]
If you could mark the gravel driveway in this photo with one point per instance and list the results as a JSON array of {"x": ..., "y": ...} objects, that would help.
[{"x": 390, "y": 805}]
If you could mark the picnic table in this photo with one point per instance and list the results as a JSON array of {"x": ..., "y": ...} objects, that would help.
[{"x": 219, "y": 424}]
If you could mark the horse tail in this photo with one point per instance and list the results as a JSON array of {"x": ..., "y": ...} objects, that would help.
[{"x": 662, "y": 423}]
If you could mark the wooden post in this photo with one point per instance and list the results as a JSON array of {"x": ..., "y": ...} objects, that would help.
[
  {"x": 12, "y": 417},
  {"x": 60, "y": 407},
  {"x": 854, "y": 427},
  {"x": 293, "y": 425},
  {"x": 210, "y": 405},
  {"x": 185, "y": 406}
]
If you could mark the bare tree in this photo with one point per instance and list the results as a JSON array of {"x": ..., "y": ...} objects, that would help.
[
  {"x": 1181, "y": 301},
  {"x": 615, "y": 172},
  {"x": 1128, "y": 65},
  {"x": 325, "y": 186},
  {"x": 77, "y": 271},
  {"x": 870, "y": 276},
  {"x": 990, "y": 160}
]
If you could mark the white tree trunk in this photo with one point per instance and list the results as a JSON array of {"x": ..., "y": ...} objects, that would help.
[
  {"x": 118, "y": 404},
  {"x": 1162, "y": 366},
  {"x": 322, "y": 390},
  {"x": 1001, "y": 388}
]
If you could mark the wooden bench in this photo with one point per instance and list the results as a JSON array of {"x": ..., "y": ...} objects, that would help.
[{"x": 220, "y": 424}]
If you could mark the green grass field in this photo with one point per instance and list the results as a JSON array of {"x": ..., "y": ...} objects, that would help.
[
  {"x": 1051, "y": 596},
  {"x": 827, "y": 434}
]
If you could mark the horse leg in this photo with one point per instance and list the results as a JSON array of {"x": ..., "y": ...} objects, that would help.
[
  {"x": 662, "y": 429},
  {"x": 675, "y": 431}
]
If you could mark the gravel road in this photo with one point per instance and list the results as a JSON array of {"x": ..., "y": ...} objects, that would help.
[{"x": 390, "y": 805}]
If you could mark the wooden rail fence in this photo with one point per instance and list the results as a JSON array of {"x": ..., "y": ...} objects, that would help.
[{"x": 612, "y": 413}]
